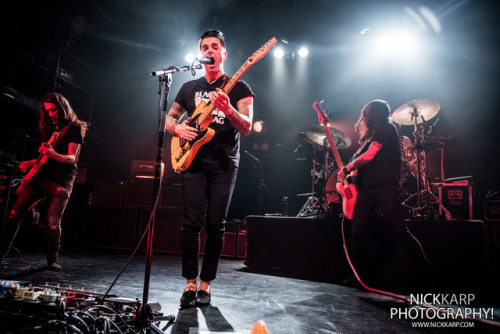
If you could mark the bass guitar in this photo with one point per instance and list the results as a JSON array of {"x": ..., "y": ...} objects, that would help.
[
  {"x": 347, "y": 189},
  {"x": 38, "y": 163},
  {"x": 183, "y": 151}
]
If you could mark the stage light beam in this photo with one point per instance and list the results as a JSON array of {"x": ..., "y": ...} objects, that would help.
[
  {"x": 395, "y": 44},
  {"x": 303, "y": 52},
  {"x": 278, "y": 53}
]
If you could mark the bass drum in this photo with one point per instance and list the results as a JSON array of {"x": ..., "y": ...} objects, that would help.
[
  {"x": 408, "y": 180},
  {"x": 331, "y": 194}
]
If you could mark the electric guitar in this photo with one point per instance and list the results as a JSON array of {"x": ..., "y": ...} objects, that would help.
[
  {"x": 347, "y": 189},
  {"x": 38, "y": 163},
  {"x": 184, "y": 151}
]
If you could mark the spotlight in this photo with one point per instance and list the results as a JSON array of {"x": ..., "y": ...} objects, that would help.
[
  {"x": 303, "y": 52},
  {"x": 190, "y": 57},
  {"x": 400, "y": 43},
  {"x": 258, "y": 126},
  {"x": 279, "y": 53}
]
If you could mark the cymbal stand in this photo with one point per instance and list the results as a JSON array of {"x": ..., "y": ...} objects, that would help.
[
  {"x": 315, "y": 202},
  {"x": 424, "y": 195}
]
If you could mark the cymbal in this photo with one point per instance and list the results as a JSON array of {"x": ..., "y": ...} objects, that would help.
[
  {"x": 404, "y": 115},
  {"x": 316, "y": 135}
]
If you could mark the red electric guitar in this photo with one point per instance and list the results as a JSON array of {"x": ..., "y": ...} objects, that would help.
[
  {"x": 38, "y": 163},
  {"x": 347, "y": 190}
]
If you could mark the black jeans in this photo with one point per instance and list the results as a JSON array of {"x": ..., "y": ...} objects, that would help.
[
  {"x": 28, "y": 197},
  {"x": 386, "y": 200},
  {"x": 207, "y": 192}
]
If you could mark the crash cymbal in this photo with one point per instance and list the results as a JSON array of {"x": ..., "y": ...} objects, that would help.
[
  {"x": 404, "y": 115},
  {"x": 303, "y": 136},
  {"x": 317, "y": 135}
]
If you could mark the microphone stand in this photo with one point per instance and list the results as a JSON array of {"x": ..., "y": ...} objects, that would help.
[{"x": 146, "y": 313}]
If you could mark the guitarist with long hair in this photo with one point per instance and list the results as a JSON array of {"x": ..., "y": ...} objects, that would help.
[
  {"x": 50, "y": 177},
  {"x": 208, "y": 182},
  {"x": 378, "y": 172}
]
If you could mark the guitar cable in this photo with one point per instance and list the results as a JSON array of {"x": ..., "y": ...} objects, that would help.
[{"x": 440, "y": 310}]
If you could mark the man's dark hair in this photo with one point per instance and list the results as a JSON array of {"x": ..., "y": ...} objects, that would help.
[{"x": 214, "y": 33}]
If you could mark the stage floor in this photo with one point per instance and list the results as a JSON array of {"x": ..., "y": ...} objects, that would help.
[{"x": 240, "y": 297}]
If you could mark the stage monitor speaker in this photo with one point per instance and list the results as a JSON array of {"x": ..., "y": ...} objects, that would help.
[
  {"x": 110, "y": 227},
  {"x": 107, "y": 192}
]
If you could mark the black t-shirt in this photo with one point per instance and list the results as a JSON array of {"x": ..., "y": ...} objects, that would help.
[
  {"x": 63, "y": 174},
  {"x": 224, "y": 147},
  {"x": 384, "y": 169}
]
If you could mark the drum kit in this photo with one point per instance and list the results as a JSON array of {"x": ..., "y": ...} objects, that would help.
[{"x": 418, "y": 198}]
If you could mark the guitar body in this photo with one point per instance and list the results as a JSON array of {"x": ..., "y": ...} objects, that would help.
[
  {"x": 183, "y": 152},
  {"x": 37, "y": 165},
  {"x": 349, "y": 194}
]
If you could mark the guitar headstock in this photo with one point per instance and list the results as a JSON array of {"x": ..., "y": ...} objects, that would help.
[
  {"x": 264, "y": 49},
  {"x": 322, "y": 116}
]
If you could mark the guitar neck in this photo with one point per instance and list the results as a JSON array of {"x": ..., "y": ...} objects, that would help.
[
  {"x": 334, "y": 148},
  {"x": 237, "y": 76}
]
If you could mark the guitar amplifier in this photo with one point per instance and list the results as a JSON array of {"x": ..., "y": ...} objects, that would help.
[{"x": 456, "y": 196}]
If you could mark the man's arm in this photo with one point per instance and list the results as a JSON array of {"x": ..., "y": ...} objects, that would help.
[
  {"x": 360, "y": 161},
  {"x": 70, "y": 158},
  {"x": 242, "y": 118},
  {"x": 172, "y": 125}
]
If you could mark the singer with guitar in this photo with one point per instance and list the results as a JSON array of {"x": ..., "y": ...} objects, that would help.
[
  {"x": 378, "y": 171},
  {"x": 209, "y": 180},
  {"x": 50, "y": 177}
]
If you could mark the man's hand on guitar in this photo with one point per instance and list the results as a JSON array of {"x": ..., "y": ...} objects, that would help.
[
  {"x": 341, "y": 176},
  {"x": 184, "y": 131},
  {"x": 24, "y": 166},
  {"x": 221, "y": 101},
  {"x": 46, "y": 149}
]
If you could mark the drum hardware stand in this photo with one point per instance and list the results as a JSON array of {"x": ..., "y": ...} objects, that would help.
[
  {"x": 424, "y": 195},
  {"x": 315, "y": 203}
]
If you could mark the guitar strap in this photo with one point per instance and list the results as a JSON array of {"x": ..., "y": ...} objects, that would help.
[
  {"x": 61, "y": 133},
  {"x": 360, "y": 149}
]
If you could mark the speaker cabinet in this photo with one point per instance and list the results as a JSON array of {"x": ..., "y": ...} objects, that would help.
[
  {"x": 107, "y": 192},
  {"x": 230, "y": 240},
  {"x": 457, "y": 197},
  {"x": 167, "y": 230},
  {"x": 139, "y": 192},
  {"x": 110, "y": 227},
  {"x": 5, "y": 183}
]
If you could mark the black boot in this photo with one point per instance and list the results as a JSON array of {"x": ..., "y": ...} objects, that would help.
[{"x": 53, "y": 245}]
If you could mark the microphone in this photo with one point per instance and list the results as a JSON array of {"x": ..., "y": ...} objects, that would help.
[{"x": 206, "y": 60}]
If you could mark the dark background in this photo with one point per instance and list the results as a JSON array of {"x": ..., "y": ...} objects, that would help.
[{"x": 111, "y": 48}]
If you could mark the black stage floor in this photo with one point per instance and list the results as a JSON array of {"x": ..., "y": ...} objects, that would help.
[{"x": 240, "y": 296}]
